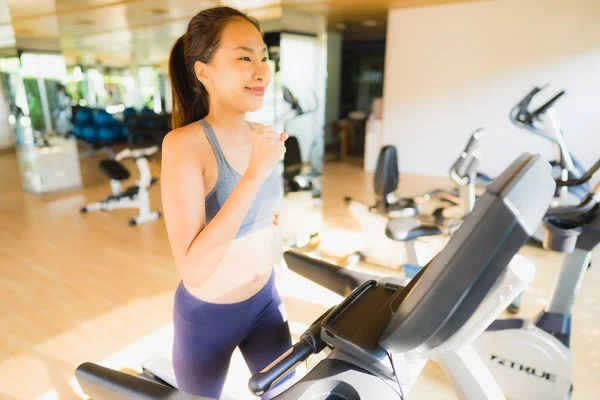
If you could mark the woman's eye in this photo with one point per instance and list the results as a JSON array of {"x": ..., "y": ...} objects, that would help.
[
  {"x": 245, "y": 59},
  {"x": 264, "y": 59}
]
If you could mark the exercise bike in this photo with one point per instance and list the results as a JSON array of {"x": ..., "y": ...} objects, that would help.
[
  {"x": 135, "y": 196},
  {"x": 445, "y": 216},
  {"x": 462, "y": 200},
  {"x": 468, "y": 180},
  {"x": 398, "y": 230},
  {"x": 531, "y": 359},
  {"x": 380, "y": 337},
  {"x": 415, "y": 217},
  {"x": 544, "y": 123},
  {"x": 444, "y": 219}
]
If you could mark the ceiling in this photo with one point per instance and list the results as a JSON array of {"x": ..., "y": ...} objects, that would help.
[
  {"x": 120, "y": 32},
  {"x": 349, "y": 16}
]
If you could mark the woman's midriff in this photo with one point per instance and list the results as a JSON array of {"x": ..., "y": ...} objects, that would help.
[{"x": 245, "y": 269}]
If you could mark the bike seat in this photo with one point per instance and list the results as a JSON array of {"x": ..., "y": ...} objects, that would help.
[
  {"x": 114, "y": 170},
  {"x": 399, "y": 205},
  {"x": 386, "y": 176},
  {"x": 395, "y": 230},
  {"x": 402, "y": 204}
]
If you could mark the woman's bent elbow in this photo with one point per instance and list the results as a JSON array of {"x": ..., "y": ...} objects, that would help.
[{"x": 192, "y": 273}]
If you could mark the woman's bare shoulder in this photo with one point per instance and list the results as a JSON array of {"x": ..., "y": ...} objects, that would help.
[
  {"x": 184, "y": 145},
  {"x": 185, "y": 136}
]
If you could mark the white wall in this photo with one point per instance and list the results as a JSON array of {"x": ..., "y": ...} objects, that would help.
[{"x": 450, "y": 69}]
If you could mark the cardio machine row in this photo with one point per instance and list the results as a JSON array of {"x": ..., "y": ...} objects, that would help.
[{"x": 379, "y": 338}]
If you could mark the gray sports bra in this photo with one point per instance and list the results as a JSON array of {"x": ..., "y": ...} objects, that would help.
[{"x": 266, "y": 202}]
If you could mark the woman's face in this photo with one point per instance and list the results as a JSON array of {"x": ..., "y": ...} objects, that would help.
[{"x": 239, "y": 74}]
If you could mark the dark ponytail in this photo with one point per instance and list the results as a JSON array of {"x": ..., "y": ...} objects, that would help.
[{"x": 200, "y": 42}]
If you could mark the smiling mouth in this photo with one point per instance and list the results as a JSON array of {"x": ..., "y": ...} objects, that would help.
[{"x": 258, "y": 91}]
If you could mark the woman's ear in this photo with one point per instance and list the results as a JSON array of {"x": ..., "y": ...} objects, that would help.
[{"x": 200, "y": 70}]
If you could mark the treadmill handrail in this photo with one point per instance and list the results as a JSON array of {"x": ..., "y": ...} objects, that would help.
[
  {"x": 310, "y": 343},
  {"x": 339, "y": 280},
  {"x": 100, "y": 382}
]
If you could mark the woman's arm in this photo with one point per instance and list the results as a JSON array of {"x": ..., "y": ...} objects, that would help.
[{"x": 198, "y": 248}]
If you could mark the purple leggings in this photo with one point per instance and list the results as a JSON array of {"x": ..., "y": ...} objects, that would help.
[{"x": 206, "y": 335}]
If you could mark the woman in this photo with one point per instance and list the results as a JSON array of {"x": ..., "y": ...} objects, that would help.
[{"x": 219, "y": 191}]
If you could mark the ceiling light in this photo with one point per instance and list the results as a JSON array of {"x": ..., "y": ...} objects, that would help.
[{"x": 369, "y": 23}]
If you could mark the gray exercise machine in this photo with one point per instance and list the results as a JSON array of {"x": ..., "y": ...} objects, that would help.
[
  {"x": 433, "y": 218},
  {"x": 382, "y": 334},
  {"x": 396, "y": 228},
  {"x": 544, "y": 123},
  {"x": 430, "y": 214},
  {"x": 467, "y": 178},
  {"x": 531, "y": 358}
]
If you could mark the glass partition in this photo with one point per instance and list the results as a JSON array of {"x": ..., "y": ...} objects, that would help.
[{"x": 44, "y": 79}]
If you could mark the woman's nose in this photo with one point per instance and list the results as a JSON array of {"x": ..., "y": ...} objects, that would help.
[{"x": 262, "y": 72}]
